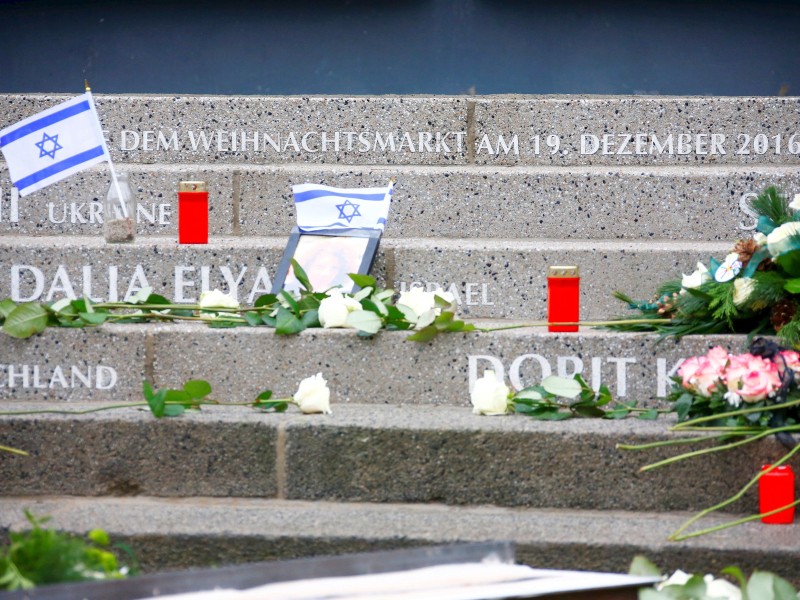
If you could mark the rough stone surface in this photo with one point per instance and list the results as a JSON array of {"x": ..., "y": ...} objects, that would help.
[
  {"x": 65, "y": 365},
  {"x": 369, "y": 453},
  {"x": 126, "y": 452},
  {"x": 181, "y": 533},
  {"x": 569, "y": 117},
  {"x": 492, "y": 278},
  {"x": 74, "y": 206}
]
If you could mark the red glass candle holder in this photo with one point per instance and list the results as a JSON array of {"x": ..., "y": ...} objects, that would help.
[
  {"x": 776, "y": 489},
  {"x": 192, "y": 212},
  {"x": 563, "y": 298}
]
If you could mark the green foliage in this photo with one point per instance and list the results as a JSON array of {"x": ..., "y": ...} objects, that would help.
[
  {"x": 171, "y": 402},
  {"x": 558, "y": 398},
  {"x": 773, "y": 206},
  {"x": 761, "y": 585},
  {"x": 264, "y": 402},
  {"x": 43, "y": 556}
]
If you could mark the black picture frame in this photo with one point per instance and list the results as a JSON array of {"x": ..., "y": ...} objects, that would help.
[{"x": 327, "y": 256}]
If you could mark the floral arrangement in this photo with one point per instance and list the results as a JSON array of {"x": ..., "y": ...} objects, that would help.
[
  {"x": 755, "y": 289},
  {"x": 740, "y": 399},
  {"x": 367, "y": 311}
]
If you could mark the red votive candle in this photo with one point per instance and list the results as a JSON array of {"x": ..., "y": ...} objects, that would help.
[
  {"x": 563, "y": 298},
  {"x": 192, "y": 212},
  {"x": 776, "y": 489}
]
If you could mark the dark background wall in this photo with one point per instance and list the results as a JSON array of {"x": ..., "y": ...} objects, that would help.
[{"x": 401, "y": 47}]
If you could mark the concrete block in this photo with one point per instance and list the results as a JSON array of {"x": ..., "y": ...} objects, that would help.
[
  {"x": 127, "y": 452},
  {"x": 66, "y": 365},
  {"x": 491, "y": 278},
  {"x": 74, "y": 206}
]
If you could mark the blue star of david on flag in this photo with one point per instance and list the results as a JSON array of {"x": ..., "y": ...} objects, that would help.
[
  {"x": 52, "y": 152},
  {"x": 352, "y": 213}
]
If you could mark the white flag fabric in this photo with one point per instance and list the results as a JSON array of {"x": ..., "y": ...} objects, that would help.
[
  {"x": 323, "y": 207},
  {"x": 53, "y": 144}
]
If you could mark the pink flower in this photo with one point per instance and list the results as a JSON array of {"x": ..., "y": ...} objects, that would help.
[
  {"x": 699, "y": 375},
  {"x": 792, "y": 359},
  {"x": 718, "y": 357},
  {"x": 751, "y": 378}
]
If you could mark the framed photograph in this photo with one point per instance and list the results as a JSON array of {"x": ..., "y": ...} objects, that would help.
[{"x": 327, "y": 256}]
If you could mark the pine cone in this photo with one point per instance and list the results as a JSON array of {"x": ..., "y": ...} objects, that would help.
[
  {"x": 782, "y": 312},
  {"x": 745, "y": 249}
]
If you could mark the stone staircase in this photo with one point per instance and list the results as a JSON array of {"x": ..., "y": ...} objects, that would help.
[{"x": 490, "y": 192}]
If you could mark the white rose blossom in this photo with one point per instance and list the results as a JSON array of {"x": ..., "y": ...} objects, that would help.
[
  {"x": 489, "y": 395},
  {"x": 421, "y": 302},
  {"x": 217, "y": 299},
  {"x": 333, "y": 309},
  {"x": 743, "y": 288},
  {"x": 313, "y": 395},
  {"x": 696, "y": 279},
  {"x": 778, "y": 241}
]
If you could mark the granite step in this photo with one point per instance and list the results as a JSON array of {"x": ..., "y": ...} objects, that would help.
[
  {"x": 490, "y": 278},
  {"x": 191, "y": 532},
  {"x": 392, "y": 453},
  {"x": 577, "y": 202},
  {"x": 440, "y": 130},
  {"x": 108, "y": 363}
]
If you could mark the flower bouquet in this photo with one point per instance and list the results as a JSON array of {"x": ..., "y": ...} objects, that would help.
[
  {"x": 755, "y": 289},
  {"x": 740, "y": 398}
]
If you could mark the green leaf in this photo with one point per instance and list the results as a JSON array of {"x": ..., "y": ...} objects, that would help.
[
  {"x": 528, "y": 393},
  {"x": 197, "y": 388},
  {"x": 587, "y": 410},
  {"x": 6, "y": 306},
  {"x": 425, "y": 334},
  {"x": 26, "y": 320},
  {"x": 290, "y": 301},
  {"x": 269, "y": 321},
  {"x": 265, "y": 300},
  {"x": 93, "y": 318},
  {"x": 265, "y": 395},
  {"x": 379, "y": 308},
  {"x": 768, "y": 586},
  {"x": 642, "y": 566},
  {"x": 301, "y": 275},
  {"x": 157, "y": 299},
  {"x": 408, "y": 313},
  {"x": 365, "y": 321},
  {"x": 99, "y": 537},
  {"x": 561, "y": 386},
  {"x": 287, "y": 324},
  {"x": 363, "y": 281},
  {"x": 736, "y": 572},
  {"x": 179, "y": 396},
  {"x": 550, "y": 414},
  {"x": 156, "y": 401},
  {"x": 792, "y": 286},
  {"x": 276, "y": 405},
  {"x": 174, "y": 410},
  {"x": 617, "y": 413},
  {"x": 253, "y": 318},
  {"x": 311, "y": 318},
  {"x": 649, "y": 415}
]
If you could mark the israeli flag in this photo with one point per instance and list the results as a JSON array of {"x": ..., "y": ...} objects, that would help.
[
  {"x": 322, "y": 207},
  {"x": 53, "y": 144}
]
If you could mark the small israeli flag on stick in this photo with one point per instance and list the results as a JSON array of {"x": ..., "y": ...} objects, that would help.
[
  {"x": 54, "y": 144},
  {"x": 323, "y": 207}
]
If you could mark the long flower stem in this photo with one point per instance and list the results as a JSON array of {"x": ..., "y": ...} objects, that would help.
[
  {"x": 734, "y": 413},
  {"x": 699, "y": 532},
  {"x": 675, "y": 536},
  {"x": 13, "y": 450},
  {"x": 678, "y": 442},
  {"x": 694, "y": 453},
  {"x": 56, "y": 411}
]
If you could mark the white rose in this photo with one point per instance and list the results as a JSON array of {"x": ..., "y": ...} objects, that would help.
[
  {"x": 333, "y": 309},
  {"x": 313, "y": 395},
  {"x": 724, "y": 590},
  {"x": 742, "y": 290},
  {"x": 778, "y": 241},
  {"x": 489, "y": 395},
  {"x": 417, "y": 300},
  {"x": 677, "y": 578},
  {"x": 696, "y": 279},
  {"x": 216, "y": 299},
  {"x": 795, "y": 203}
]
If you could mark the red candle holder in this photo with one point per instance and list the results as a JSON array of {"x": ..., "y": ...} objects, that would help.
[
  {"x": 776, "y": 489},
  {"x": 192, "y": 212},
  {"x": 563, "y": 298}
]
